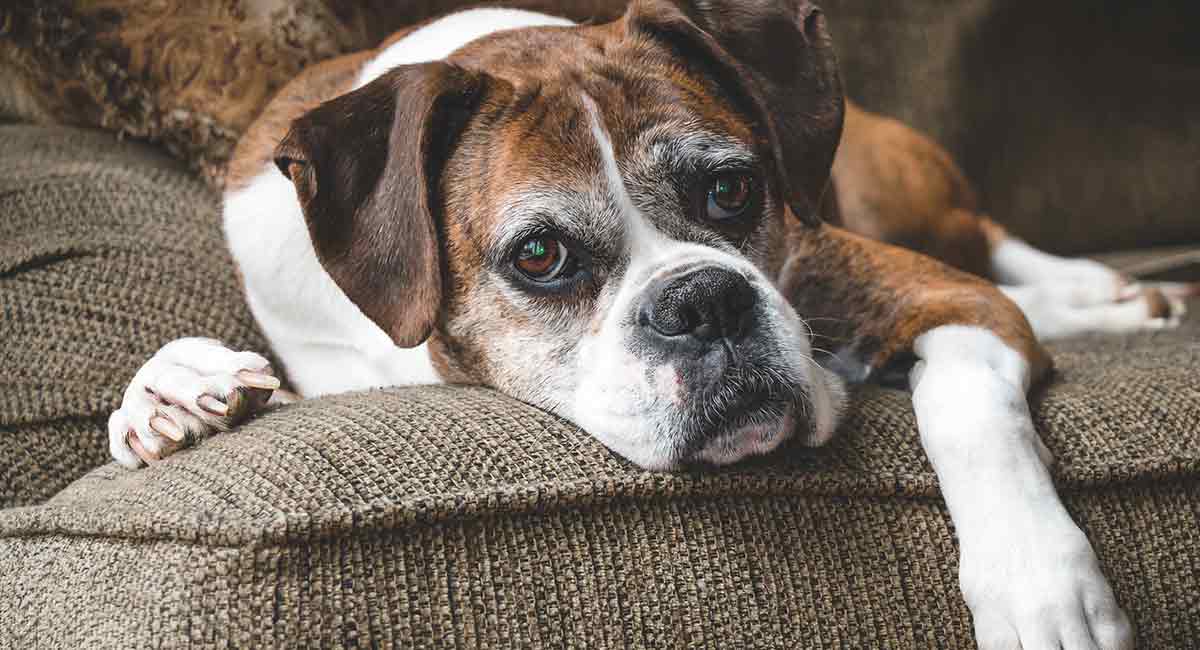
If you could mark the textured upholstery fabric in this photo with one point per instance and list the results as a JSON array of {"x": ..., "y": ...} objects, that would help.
[
  {"x": 107, "y": 251},
  {"x": 457, "y": 517}
]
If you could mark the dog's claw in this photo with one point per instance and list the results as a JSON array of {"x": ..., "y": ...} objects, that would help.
[
  {"x": 145, "y": 454},
  {"x": 258, "y": 380},
  {"x": 167, "y": 427},
  {"x": 1129, "y": 291},
  {"x": 212, "y": 405}
]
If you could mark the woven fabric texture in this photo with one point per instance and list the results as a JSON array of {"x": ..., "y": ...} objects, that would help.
[
  {"x": 456, "y": 517},
  {"x": 107, "y": 251}
]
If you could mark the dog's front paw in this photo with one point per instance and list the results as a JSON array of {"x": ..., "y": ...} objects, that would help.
[
  {"x": 189, "y": 389},
  {"x": 1041, "y": 593}
]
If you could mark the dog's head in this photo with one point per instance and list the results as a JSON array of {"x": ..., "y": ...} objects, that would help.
[{"x": 591, "y": 218}]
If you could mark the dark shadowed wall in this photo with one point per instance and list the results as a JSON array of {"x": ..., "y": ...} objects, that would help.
[{"x": 1078, "y": 120}]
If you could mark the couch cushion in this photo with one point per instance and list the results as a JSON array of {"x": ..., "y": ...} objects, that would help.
[
  {"x": 457, "y": 516},
  {"x": 108, "y": 250}
]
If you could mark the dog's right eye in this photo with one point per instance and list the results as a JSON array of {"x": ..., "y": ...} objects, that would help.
[
  {"x": 542, "y": 258},
  {"x": 729, "y": 196}
]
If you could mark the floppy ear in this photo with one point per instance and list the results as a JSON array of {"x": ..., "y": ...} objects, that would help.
[
  {"x": 366, "y": 166},
  {"x": 776, "y": 58}
]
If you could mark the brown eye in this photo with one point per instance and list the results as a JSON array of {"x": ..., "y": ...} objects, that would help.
[
  {"x": 729, "y": 195},
  {"x": 541, "y": 259}
]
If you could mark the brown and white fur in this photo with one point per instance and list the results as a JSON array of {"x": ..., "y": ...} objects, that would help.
[{"x": 374, "y": 207}]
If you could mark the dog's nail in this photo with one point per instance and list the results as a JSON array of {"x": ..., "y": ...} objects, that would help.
[
  {"x": 136, "y": 445},
  {"x": 166, "y": 427},
  {"x": 212, "y": 405},
  {"x": 258, "y": 380}
]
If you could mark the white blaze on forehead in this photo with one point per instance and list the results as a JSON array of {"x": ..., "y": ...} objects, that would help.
[
  {"x": 651, "y": 252},
  {"x": 641, "y": 232}
]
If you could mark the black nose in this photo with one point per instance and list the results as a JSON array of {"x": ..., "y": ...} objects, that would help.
[{"x": 703, "y": 305}]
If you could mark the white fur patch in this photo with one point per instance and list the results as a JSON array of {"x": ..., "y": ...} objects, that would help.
[
  {"x": 442, "y": 37},
  {"x": 1061, "y": 310},
  {"x": 1027, "y": 572},
  {"x": 1015, "y": 262},
  {"x": 643, "y": 238}
]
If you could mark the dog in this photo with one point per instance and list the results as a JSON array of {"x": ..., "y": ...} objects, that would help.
[{"x": 673, "y": 230}]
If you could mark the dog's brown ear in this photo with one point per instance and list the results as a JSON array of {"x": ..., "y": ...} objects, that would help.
[
  {"x": 366, "y": 166},
  {"x": 777, "y": 60}
]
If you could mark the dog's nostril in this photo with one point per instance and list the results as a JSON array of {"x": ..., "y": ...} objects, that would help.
[
  {"x": 704, "y": 305},
  {"x": 706, "y": 332}
]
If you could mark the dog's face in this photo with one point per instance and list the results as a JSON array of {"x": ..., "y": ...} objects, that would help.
[{"x": 591, "y": 219}]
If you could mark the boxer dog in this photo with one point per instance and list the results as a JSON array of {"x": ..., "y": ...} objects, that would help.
[{"x": 642, "y": 227}]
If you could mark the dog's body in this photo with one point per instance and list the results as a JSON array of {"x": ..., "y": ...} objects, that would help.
[{"x": 398, "y": 226}]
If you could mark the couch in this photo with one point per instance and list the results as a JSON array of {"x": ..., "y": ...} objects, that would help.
[{"x": 457, "y": 517}]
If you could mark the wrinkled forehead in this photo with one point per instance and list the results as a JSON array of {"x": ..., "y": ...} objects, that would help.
[
  {"x": 602, "y": 159},
  {"x": 598, "y": 126}
]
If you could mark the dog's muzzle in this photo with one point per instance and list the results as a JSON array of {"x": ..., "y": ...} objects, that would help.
[{"x": 707, "y": 325}]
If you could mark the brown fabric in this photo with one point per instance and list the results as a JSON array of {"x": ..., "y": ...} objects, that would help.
[
  {"x": 190, "y": 74},
  {"x": 455, "y": 516},
  {"x": 458, "y": 517}
]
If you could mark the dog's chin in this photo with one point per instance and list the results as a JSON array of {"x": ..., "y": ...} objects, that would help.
[
  {"x": 757, "y": 424},
  {"x": 661, "y": 421},
  {"x": 752, "y": 439}
]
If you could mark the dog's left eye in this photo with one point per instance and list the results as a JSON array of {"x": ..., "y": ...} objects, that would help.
[
  {"x": 729, "y": 195},
  {"x": 542, "y": 259}
]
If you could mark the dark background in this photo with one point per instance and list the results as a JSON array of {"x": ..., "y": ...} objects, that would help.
[{"x": 1079, "y": 121}]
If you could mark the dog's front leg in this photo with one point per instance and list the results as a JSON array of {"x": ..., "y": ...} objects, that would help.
[{"x": 1027, "y": 572}]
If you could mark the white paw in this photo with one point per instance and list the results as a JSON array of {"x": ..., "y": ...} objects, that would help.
[
  {"x": 1040, "y": 593},
  {"x": 189, "y": 389},
  {"x": 1060, "y": 310}
]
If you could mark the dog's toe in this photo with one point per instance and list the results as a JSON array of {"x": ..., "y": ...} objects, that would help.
[{"x": 190, "y": 389}]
